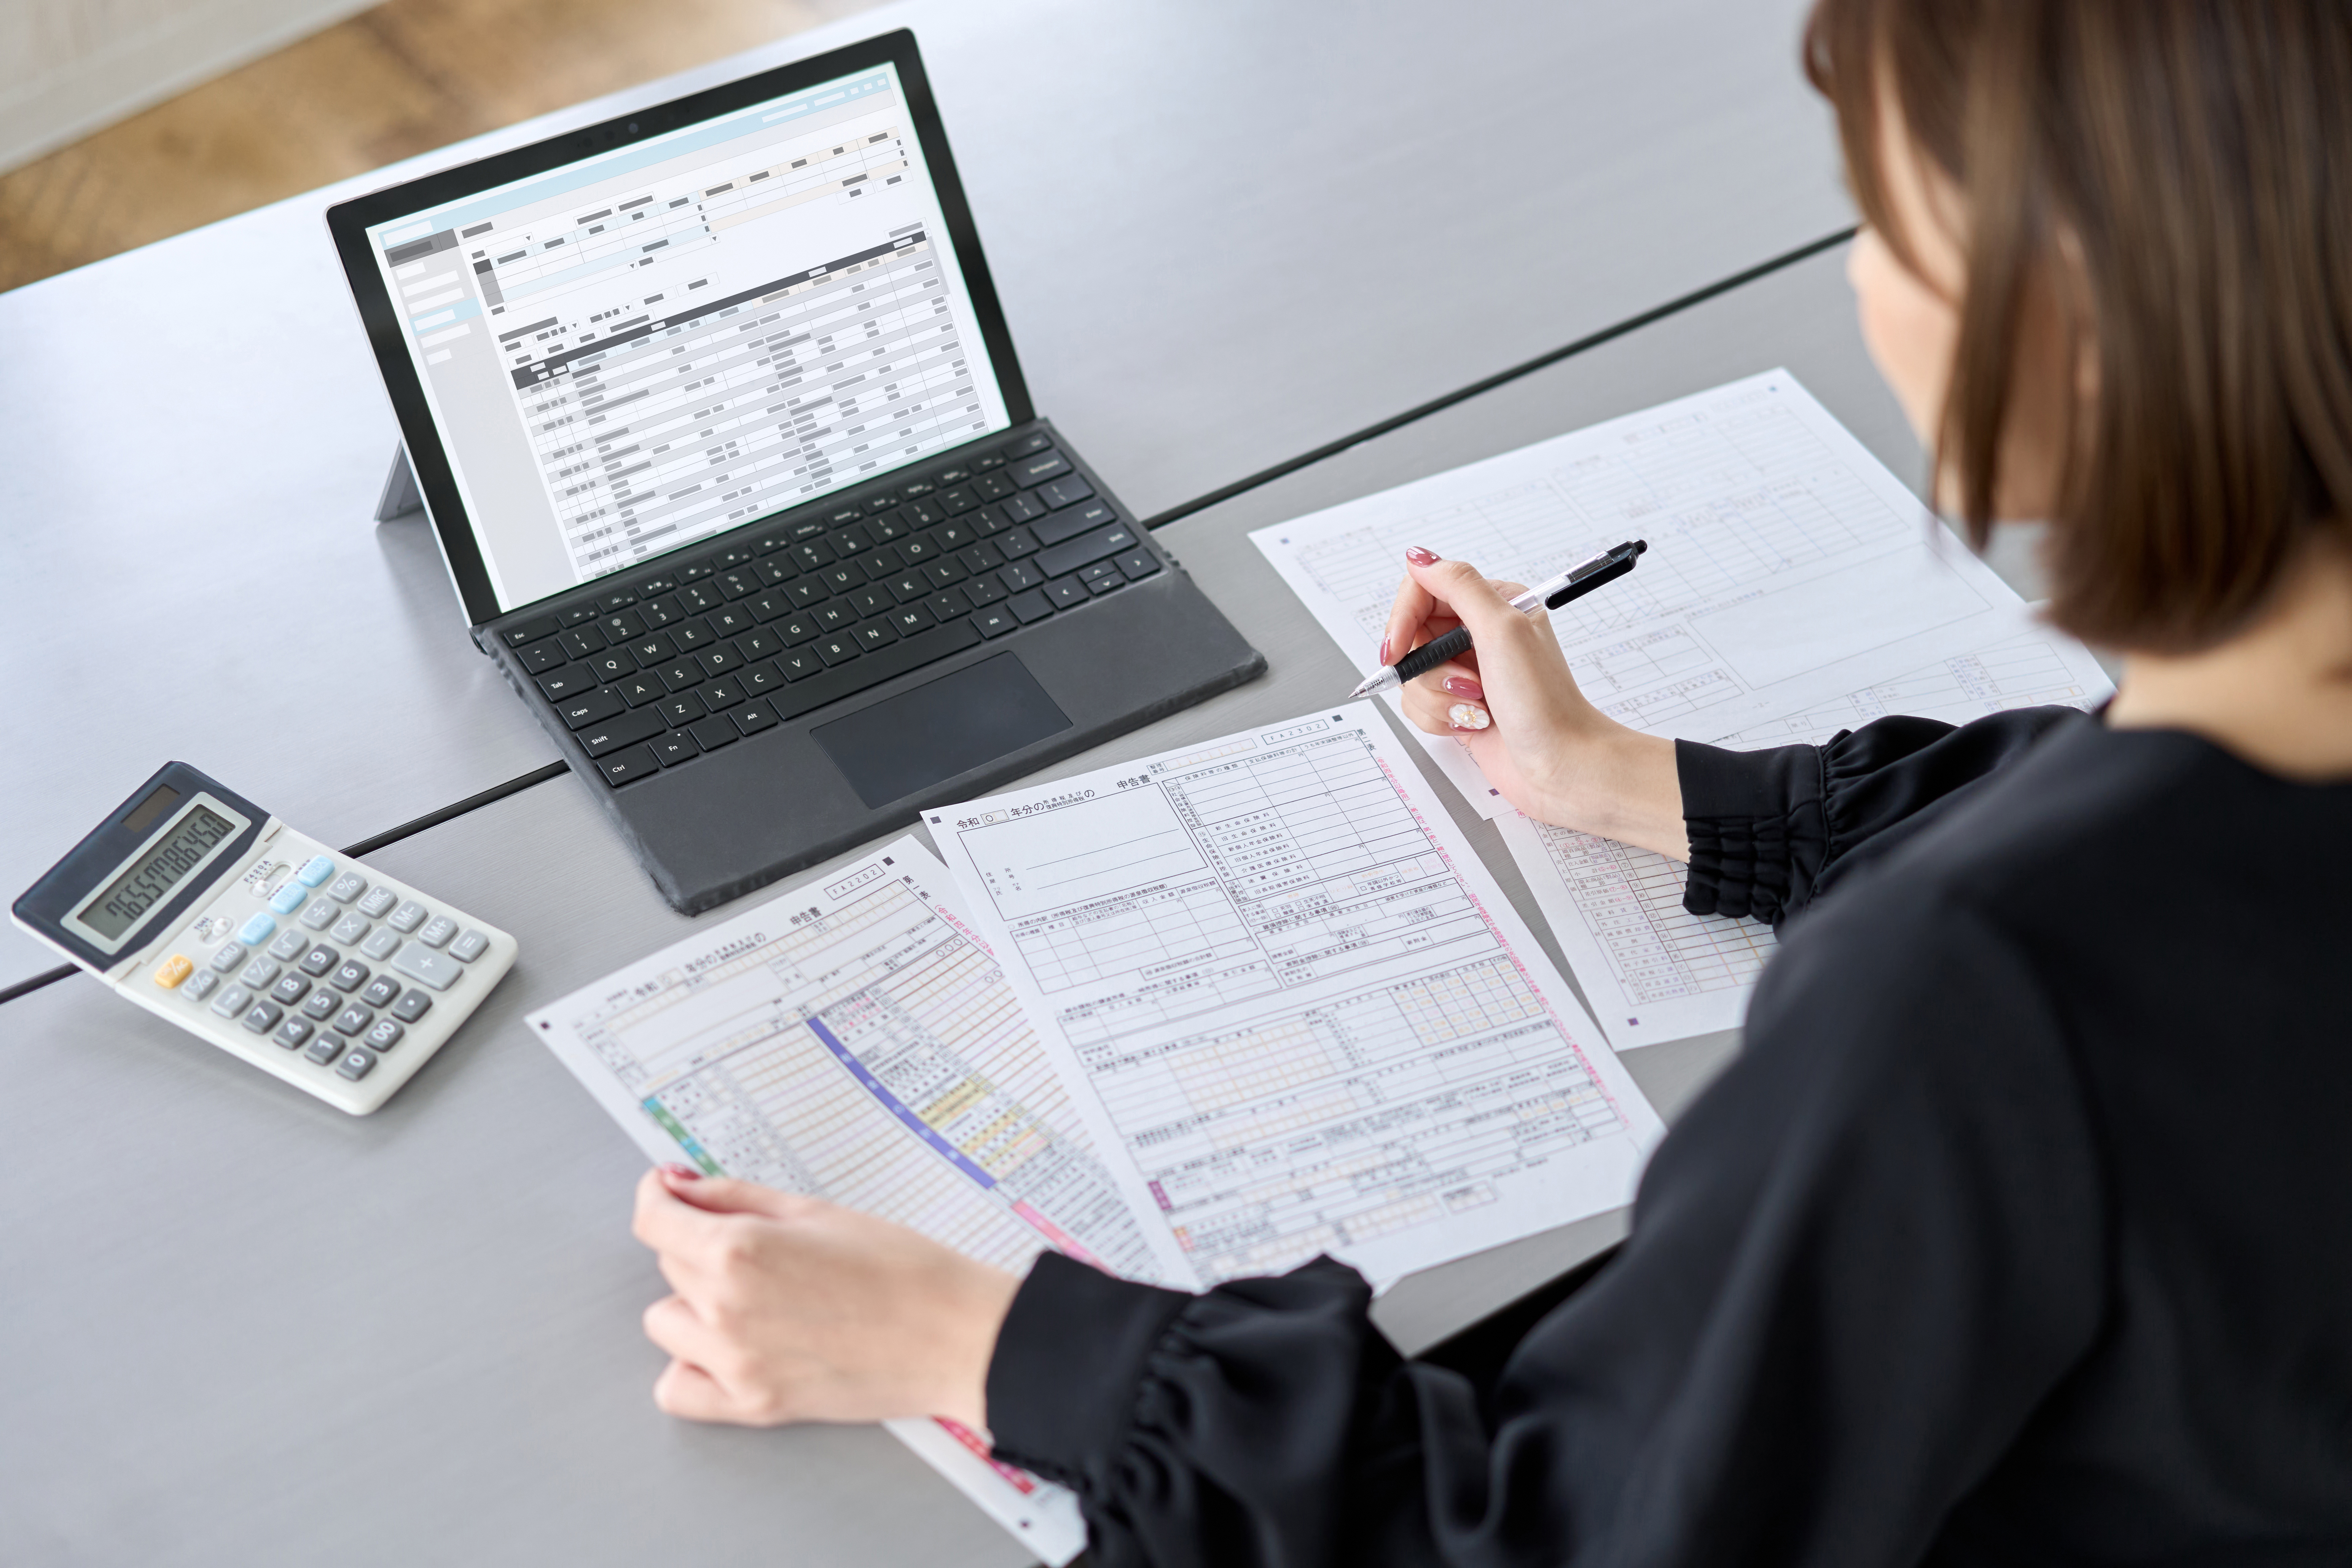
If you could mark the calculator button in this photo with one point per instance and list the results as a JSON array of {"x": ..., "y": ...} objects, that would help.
[
  {"x": 319, "y": 960},
  {"x": 289, "y": 945},
  {"x": 177, "y": 969},
  {"x": 437, "y": 932},
  {"x": 255, "y": 930},
  {"x": 315, "y": 871},
  {"x": 381, "y": 991},
  {"x": 291, "y": 1033},
  {"x": 262, "y": 1016},
  {"x": 289, "y": 989},
  {"x": 200, "y": 985},
  {"x": 382, "y": 1035},
  {"x": 469, "y": 947},
  {"x": 348, "y": 975},
  {"x": 412, "y": 1006},
  {"x": 288, "y": 899},
  {"x": 321, "y": 915},
  {"x": 324, "y": 1049},
  {"x": 383, "y": 944},
  {"x": 377, "y": 901},
  {"x": 347, "y": 887},
  {"x": 229, "y": 956},
  {"x": 408, "y": 917},
  {"x": 321, "y": 1006},
  {"x": 421, "y": 963},
  {"x": 354, "y": 1065},
  {"x": 257, "y": 975},
  {"x": 354, "y": 1019},
  {"x": 233, "y": 1000},
  {"x": 351, "y": 928}
]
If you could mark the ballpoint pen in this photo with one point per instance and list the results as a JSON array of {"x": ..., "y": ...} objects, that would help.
[{"x": 1549, "y": 594}]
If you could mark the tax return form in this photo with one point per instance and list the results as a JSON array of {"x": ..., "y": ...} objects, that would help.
[
  {"x": 1294, "y": 1011},
  {"x": 856, "y": 1041}
]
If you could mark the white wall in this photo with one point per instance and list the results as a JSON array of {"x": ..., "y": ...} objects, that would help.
[{"x": 69, "y": 66}]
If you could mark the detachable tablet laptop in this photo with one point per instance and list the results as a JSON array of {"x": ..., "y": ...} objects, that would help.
[{"x": 717, "y": 421}]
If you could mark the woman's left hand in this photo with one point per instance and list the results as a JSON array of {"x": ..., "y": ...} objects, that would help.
[{"x": 792, "y": 1308}]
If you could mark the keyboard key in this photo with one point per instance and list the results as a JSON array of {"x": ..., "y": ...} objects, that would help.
[
  {"x": 958, "y": 501},
  {"x": 438, "y": 930},
  {"x": 993, "y": 487},
  {"x": 637, "y": 724},
  {"x": 1035, "y": 441},
  {"x": 620, "y": 599},
  {"x": 698, "y": 596},
  {"x": 602, "y": 703},
  {"x": 285, "y": 901},
  {"x": 983, "y": 591},
  {"x": 354, "y": 1019},
  {"x": 289, "y": 945},
  {"x": 320, "y": 1005},
  {"x": 348, "y": 975},
  {"x": 659, "y": 612},
  {"x": 890, "y": 525},
  {"x": 799, "y": 666},
  {"x": 531, "y": 630},
  {"x": 232, "y": 1001},
  {"x": 922, "y": 513},
  {"x": 693, "y": 572},
  {"x": 759, "y": 644},
  {"x": 324, "y": 1050},
  {"x": 1069, "y": 524},
  {"x": 996, "y": 622},
  {"x": 231, "y": 956},
  {"x": 881, "y": 565},
  {"x": 380, "y": 944},
  {"x": 758, "y": 678},
  {"x": 692, "y": 635},
  {"x": 712, "y": 734},
  {"x": 683, "y": 676},
  {"x": 382, "y": 1035},
  {"x": 289, "y": 989},
  {"x": 1095, "y": 546},
  {"x": 381, "y": 991},
  {"x": 262, "y": 1016},
  {"x": 1102, "y": 576},
  {"x": 315, "y": 871},
  {"x": 578, "y": 615},
  {"x": 378, "y": 904},
  {"x": 918, "y": 550},
  {"x": 1068, "y": 592},
  {"x": 734, "y": 619},
  {"x": 812, "y": 556},
  {"x": 980, "y": 557},
  {"x": 438, "y": 970},
  {"x": 317, "y": 961},
  {"x": 880, "y": 503},
  {"x": 989, "y": 460},
  {"x": 581, "y": 641},
  {"x": 356, "y": 1064},
  {"x": 721, "y": 694},
  {"x": 257, "y": 975},
  {"x": 255, "y": 929},
  {"x": 408, "y": 917},
  {"x": 569, "y": 681},
  {"x": 1021, "y": 576},
  {"x": 200, "y": 985},
  {"x": 834, "y": 615},
  {"x": 624, "y": 767},
  {"x": 718, "y": 658},
  {"x": 413, "y": 1005},
  {"x": 625, "y": 625},
  {"x": 1030, "y": 607},
  {"x": 653, "y": 652},
  {"x": 673, "y": 748},
  {"x": 771, "y": 607},
  {"x": 1037, "y": 467},
  {"x": 1138, "y": 564},
  {"x": 1067, "y": 490},
  {"x": 841, "y": 579},
  {"x": 914, "y": 488},
  {"x": 873, "y": 635},
  {"x": 1017, "y": 543},
  {"x": 910, "y": 619},
  {"x": 837, "y": 649},
  {"x": 347, "y": 887},
  {"x": 540, "y": 658},
  {"x": 945, "y": 574},
  {"x": 322, "y": 914},
  {"x": 1022, "y": 508},
  {"x": 640, "y": 689},
  {"x": 611, "y": 667},
  {"x": 953, "y": 536},
  {"x": 751, "y": 718},
  {"x": 469, "y": 947},
  {"x": 350, "y": 931},
  {"x": 683, "y": 709},
  {"x": 292, "y": 1033},
  {"x": 741, "y": 583},
  {"x": 847, "y": 542}
]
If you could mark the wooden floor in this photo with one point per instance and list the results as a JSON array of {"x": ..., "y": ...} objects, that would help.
[{"x": 404, "y": 77}]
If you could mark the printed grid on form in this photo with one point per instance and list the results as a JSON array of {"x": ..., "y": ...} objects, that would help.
[
  {"x": 1643, "y": 958},
  {"x": 808, "y": 1060},
  {"x": 1297, "y": 1018}
]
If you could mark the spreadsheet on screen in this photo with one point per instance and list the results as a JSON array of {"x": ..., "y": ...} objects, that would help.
[{"x": 647, "y": 347}]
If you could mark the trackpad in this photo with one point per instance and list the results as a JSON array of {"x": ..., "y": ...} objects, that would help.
[{"x": 956, "y": 723}]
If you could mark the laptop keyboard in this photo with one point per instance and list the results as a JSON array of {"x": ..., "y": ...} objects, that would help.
[{"x": 702, "y": 651}]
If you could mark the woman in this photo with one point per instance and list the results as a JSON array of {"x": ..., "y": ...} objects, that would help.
[{"x": 2022, "y": 1231}]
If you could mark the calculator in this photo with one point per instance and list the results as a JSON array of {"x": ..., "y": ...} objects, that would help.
[{"x": 196, "y": 904}]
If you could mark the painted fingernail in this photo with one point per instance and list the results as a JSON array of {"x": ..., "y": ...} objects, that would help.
[
  {"x": 1385, "y": 650},
  {"x": 1420, "y": 557},
  {"x": 1467, "y": 716},
  {"x": 683, "y": 1172},
  {"x": 1461, "y": 686}
]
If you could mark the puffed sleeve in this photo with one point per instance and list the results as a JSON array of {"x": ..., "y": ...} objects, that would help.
[
  {"x": 1769, "y": 829},
  {"x": 1856, "y": 1267}
]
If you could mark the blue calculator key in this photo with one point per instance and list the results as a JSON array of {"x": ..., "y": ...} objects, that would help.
[
  {"x": 255, "y": 930},
  {"x": 315, "y": 871},
  {"x": 288, "y": 899}
]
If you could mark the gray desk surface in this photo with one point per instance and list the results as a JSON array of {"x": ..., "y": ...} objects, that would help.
[
  {"x": 1224, "y": 234},
  {"x": 247, "y": 1327}
]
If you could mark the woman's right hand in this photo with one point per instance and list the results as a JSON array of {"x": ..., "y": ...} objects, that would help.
[{"x": 1513, "y": 702}]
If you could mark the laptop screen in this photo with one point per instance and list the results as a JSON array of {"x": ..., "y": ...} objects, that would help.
[{"x": 644, "y": 348}]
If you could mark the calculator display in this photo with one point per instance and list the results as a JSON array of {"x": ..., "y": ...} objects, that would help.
[{"x": 152, "y": 878}]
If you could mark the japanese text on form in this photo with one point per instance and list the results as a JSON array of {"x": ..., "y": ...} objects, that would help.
[
  {"x": 1787, "y": 567},
  {"x": 1297, "y": 1012},
  {"x": 857, "y": 1042}
]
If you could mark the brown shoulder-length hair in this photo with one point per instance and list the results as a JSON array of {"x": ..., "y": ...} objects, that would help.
[{"x": 2175, "y": 176}]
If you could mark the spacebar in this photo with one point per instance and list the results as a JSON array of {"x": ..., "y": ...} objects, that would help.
[{"x": 873, "y": 668}]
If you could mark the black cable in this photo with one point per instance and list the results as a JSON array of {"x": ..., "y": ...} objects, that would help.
[
  {"x": 1463, "y": 394},
  {"x": 364, "y": 846}
]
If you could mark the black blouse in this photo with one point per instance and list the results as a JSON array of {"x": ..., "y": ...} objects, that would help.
[{"x": 2020, "y": 1232}]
